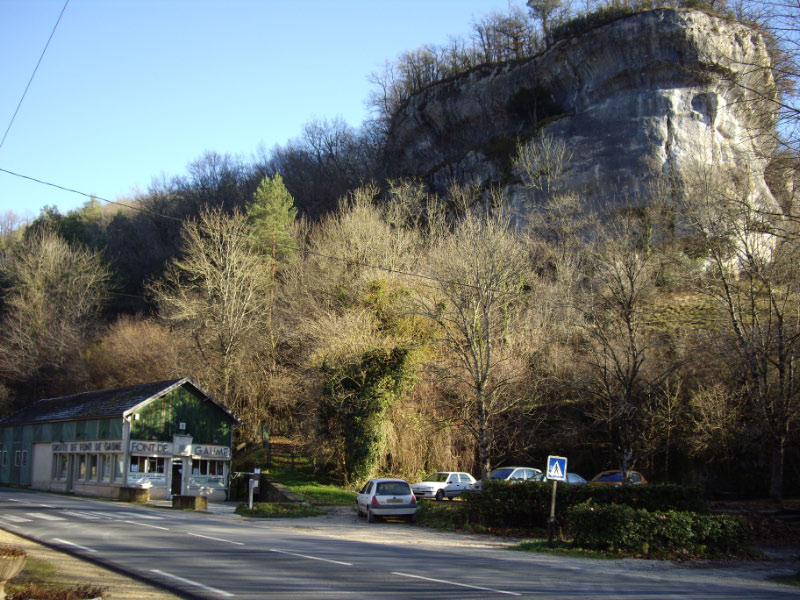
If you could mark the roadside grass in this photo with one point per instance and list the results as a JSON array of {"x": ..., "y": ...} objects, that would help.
[
  {"x": 270, "y": 510},
  {"x": 296, "y": 473},
  {"x": 560, "y": 548},
  {"x": 445, "y": 516},
  {"x": 303, "y": 482}
]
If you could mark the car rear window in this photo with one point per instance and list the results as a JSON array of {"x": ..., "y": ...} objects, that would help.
[
  {"x": 501, "y": 473},
  {"x": 393, "y": 488},
  {"x": 611, "y": 477}
]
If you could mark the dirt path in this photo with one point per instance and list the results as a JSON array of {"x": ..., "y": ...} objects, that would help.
[{"x": 50, "y": 567}]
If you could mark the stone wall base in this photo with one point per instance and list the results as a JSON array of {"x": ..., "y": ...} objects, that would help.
[
  {"x": 190, "y": 502},
  {"x": 130, "y": 494}
]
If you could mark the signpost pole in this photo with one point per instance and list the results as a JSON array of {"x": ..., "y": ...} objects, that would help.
[
  {"x": 556, "y": 471},
  {"x": 551, "y": 522}
]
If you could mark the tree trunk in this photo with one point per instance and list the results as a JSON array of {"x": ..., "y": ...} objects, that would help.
[
  {"x": 483, "y": 438},
  {"x": 776, "y": 479}
]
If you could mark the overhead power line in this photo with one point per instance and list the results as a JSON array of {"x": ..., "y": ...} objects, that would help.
[
  {"x": 284, "y": 246},
  {"x": 36, "y": 68}
]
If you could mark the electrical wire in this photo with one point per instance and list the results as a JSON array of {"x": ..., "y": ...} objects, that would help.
[
  {"x": 36, "y": 68},
  {"x": 307, "y": 251}
]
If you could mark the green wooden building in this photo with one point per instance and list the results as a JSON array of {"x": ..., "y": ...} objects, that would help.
[{"x": 169, "y": 437}]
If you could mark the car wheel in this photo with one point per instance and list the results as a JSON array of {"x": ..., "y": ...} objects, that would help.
[
  {"x": 370, "y": 517},
  {"x": 439, "y": 495},
  {"x": 412, "y": 518}
]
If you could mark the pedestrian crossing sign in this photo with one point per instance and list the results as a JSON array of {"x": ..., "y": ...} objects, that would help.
[{"x": 557, "y": 468}]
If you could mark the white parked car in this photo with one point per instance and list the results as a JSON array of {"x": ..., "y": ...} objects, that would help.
[
  {"x": 443, "y": 484},
  {"x": 386, "y": 498},
  {"x": 513, "y": 475}
]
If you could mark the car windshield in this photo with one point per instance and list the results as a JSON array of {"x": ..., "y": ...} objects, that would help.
[
  {"x": 393, "y": 488},
  {"x": 438, "y": 477},
  {"x": 501, "y": 473}
]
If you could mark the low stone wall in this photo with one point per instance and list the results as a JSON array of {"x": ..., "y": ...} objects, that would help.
[
  {"x": 190, "y": 502},
  {"x": 131, "y": 494},
  {"x": 269, "y": 491}
]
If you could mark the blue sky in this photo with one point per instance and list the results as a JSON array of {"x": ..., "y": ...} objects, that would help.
[{"x": 132, "y": 90}]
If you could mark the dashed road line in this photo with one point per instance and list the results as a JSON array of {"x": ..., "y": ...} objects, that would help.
[
  {"x": 336, "y": 562},
  {"x": 208, "y": 537},
  {"x": 194, "y": 583},
  {"x": 133, "y": 515},
  {"x": 474, "y": 587},
  {"x": 60, "y": 541},
  {"x": 147, "y": 525}
]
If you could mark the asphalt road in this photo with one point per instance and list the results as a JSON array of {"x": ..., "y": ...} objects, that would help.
[{"x": 210, "y": 556}]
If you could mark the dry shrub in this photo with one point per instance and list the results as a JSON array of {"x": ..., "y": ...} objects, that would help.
[
  {"x": 420, "y": 439},
  {"x": 135, "y": 350},
  {"x": 8, "y": 551},
  {"x": 32, "y": 590}
]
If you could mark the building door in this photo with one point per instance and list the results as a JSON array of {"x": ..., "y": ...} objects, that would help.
[
  {"x": 177, "y": 477},
  {"x": 70, "y": 473}
]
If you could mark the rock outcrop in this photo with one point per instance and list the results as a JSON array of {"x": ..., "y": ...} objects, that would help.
[{"x": 648, "y": 93}]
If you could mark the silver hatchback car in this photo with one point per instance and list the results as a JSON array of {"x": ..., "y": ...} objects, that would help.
[{"x": 386, "y": 498}]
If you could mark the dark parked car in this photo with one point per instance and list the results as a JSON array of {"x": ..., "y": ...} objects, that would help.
[
  {"x": 575, "y": 479},
  {"x": 614, "y": 477}
]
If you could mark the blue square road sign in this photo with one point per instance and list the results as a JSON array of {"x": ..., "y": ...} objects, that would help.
[{"x": 556, "y": 468}]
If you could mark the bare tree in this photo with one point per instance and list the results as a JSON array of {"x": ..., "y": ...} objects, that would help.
[
  {"x": 543, "y": 163},
  {"x": 752, "y": 276},
  {"x": 53, "y": 299},
  {"x": 216, "y": 292},
  {"x": 625, "y": 370},
  {"x": 474, "y": 300}
]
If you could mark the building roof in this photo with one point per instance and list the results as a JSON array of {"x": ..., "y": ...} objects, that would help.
[{"x": 100, "y": 404}]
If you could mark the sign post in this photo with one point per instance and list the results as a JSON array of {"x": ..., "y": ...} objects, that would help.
[
  {"x": 252, "y": 485},
  {"x": 556, "y": 471}
]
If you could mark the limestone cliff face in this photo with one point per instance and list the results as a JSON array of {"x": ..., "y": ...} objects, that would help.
[{"x": 648, "y": 92}]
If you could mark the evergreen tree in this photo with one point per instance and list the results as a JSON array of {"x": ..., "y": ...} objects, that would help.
[{"x": 270, "y": 215}]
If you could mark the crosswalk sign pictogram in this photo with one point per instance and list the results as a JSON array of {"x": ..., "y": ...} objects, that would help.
[{"x": 557, "y": 468}]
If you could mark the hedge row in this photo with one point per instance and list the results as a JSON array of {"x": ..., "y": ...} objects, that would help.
[
  {"x": 528, "y": 504},
  {"x": 619, "y": 527}
]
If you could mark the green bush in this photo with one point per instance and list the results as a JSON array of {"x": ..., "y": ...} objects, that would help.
[
  {"x": 656, "y": 497},
  {"x": 528, "y": 504},
  {"x": 620, "y": 527}
]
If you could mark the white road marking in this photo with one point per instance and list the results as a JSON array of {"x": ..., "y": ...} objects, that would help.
[
  {"x": 133, "y": 515},
  {"x": 190, "y": 582},
  {"x": 208, "y": 537},
  {"x": 47, "y": 506},
  {"x": 105, "y": 515},
  {"x": 60, "y": 541},
  {"x": 81, "y": 515},
  {"x": 474, "y": 587},
  {"x": 16, "y": 519},
  {"x": 147, "y": 525},
  {"x": 15, "y": 500},
  {"x": 336, "y": 562},
  {"x": 44, "y": 516}
]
